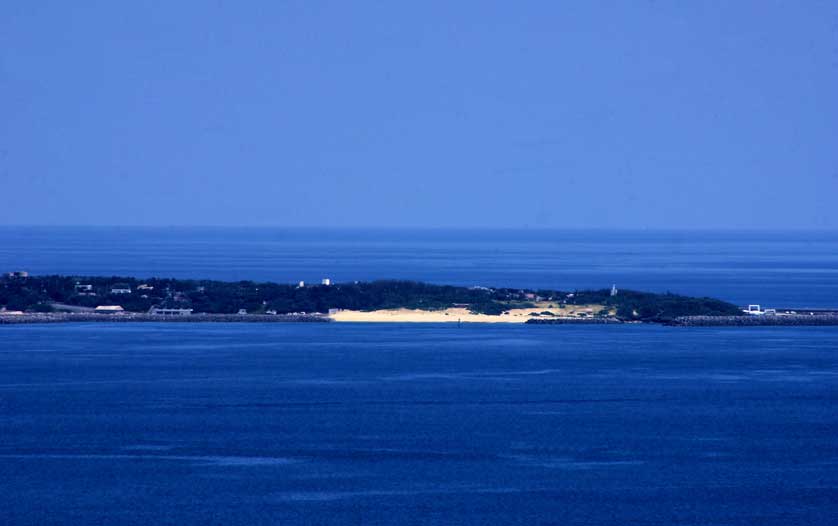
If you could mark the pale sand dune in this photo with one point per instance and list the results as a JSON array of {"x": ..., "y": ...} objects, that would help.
[{"x": 452, "y": 315}]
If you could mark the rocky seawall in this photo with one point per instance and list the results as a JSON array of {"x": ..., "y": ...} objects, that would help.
[
  {"x": 572, "y": 321},
  {"x": 790, "y": 320},
  {"x": 67, "y": 317}
]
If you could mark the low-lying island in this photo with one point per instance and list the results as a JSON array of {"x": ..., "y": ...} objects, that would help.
[{"x": 54, "y": 299}]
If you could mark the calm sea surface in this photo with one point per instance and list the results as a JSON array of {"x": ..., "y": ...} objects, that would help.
[
  {"x": 250, "y": 424},
  {"x": 776, "y": 269}
]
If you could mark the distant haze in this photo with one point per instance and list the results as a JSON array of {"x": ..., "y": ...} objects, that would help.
[{"x": 543, "y": 114}]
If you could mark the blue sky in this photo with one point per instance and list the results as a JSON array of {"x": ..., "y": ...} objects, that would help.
[{"x": 503, "y": 114}]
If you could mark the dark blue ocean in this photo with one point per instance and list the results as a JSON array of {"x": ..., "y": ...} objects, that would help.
[{"x": 250, "y": 424}]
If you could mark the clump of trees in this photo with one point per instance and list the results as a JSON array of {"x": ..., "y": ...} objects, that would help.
[{"x": 647, "y": 306}]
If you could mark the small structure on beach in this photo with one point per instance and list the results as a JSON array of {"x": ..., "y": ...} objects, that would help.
[
  {"x": 109, "y": 309},
  {"x": 242, "y": 312}
]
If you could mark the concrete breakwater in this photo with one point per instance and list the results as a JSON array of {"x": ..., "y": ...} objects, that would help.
[
  {"x": 572, "y": 321},
  {"x": 790, "y": 320},
  {"x": 66, "y": 317}
]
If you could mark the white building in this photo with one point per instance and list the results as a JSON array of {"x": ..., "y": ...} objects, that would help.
[
  {"x": 84, "y": 289},
  {"x": 301, "y": 284},
  {"x": 326, "y": 281},
  {"x": 121, "y": 288},
  {"x": 109, "y": 308}
]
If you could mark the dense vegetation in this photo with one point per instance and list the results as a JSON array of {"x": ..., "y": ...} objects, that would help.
[
  {"x": 44, "y": 293},
  {"x": 647, "y": 306}
]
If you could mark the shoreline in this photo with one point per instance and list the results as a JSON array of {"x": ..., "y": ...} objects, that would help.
[
  {"x": 780, "y": 320},
  {"x": 450, "y": 316},
  {"x": 130, "y": 317}
]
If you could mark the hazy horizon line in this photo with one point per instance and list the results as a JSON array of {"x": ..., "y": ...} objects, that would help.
[{"x": 431, "y": 227}]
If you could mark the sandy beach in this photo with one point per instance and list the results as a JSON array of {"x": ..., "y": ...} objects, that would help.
[{"x": 455, "y": 315}]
